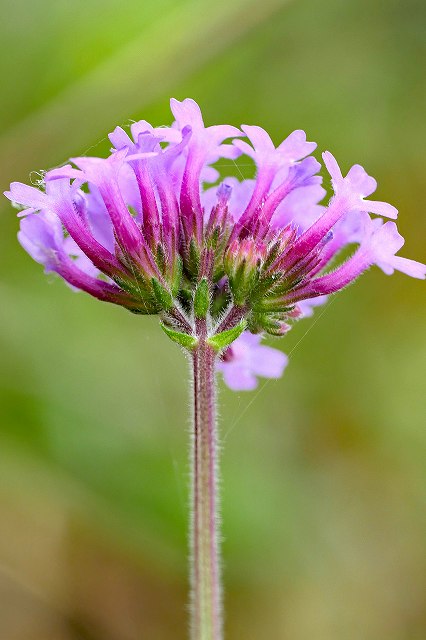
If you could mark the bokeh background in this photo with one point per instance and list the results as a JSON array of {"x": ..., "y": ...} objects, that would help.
[{"x": 323, "y": 471}]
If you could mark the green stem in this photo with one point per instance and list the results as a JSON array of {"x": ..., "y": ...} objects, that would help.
[{"x": 206, "y": 610}]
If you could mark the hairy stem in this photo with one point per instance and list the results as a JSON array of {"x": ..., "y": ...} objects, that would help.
[
  {"x": 232, "y": 318},
  {"x": 206, "y": 615}
]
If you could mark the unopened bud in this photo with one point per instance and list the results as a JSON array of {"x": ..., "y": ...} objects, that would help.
[{"x": 201, "y": 299}]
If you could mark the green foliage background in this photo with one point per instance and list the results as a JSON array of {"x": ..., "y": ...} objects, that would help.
[{"x": 323, "y": 471}]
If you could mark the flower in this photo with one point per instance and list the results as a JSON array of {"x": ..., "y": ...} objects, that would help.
[
  {"x": 355, "y": 187},
  {"x": 246, "y": 359},
  {"x": 378, "y": 245},
  {"x": 145, "y": 229}
]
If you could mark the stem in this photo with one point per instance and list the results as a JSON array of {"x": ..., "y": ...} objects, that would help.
[
  {"x": 206, "y": 614},
  {"x": 232, "y": 318}
]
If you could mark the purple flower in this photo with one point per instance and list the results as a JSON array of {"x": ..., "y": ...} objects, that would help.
[
  {"x": 355, "y": 188},
  {"x": 145, "y": 229},
  {"x": 206, "y": 146},
  {"x": 246, "y": 359},
  {"x": 378, "y": 246},
  {"x": 301, "y": 207},
  {"x": 42, "y": 237},
  {"x": 350, "y": 193},
  {"x": 381, "y": 247},
  {"x": 278, "y": 172}
]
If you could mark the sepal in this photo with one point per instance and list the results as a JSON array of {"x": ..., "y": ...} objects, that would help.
[
  {"x": 202, "y": 299},
  {"x": 163, "y": 297},
  {"x": 183, "y": 339},
  {"x": 177, "y": 276},
  {"x": 222, "y": 340},
  {"x": 272, "y": 323},
  {"x": 275, "y": 327},
  {"x": 193, "y": 259}
]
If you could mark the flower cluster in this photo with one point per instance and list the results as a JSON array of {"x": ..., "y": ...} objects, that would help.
[{"x": 145, "y": 229}]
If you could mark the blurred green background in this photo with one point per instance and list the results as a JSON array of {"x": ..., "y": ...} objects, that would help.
[{"x": 323, "y": 471}]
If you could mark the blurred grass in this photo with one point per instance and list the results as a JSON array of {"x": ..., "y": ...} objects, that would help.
[
  {"x": 323, "y": 471},
  {"x": 172, "y": 40}
]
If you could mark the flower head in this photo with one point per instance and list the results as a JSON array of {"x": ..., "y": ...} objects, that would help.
[{"x": 144, "y": 229}]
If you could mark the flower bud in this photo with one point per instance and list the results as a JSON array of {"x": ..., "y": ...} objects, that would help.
[{"x": 242, "y": 266}]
